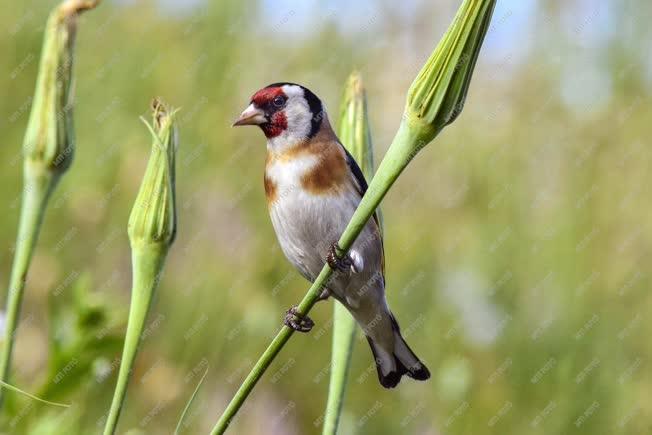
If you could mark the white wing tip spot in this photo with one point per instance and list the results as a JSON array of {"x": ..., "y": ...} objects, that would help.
[{"x": 357, "y": 262}]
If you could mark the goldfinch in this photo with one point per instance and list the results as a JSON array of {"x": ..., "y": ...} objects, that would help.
[{"x": 313, "y": 186}]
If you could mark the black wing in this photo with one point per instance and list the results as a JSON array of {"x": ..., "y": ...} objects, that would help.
[
  {"x": 357, "y": 172},
  {"x": 362, "y": 188}
]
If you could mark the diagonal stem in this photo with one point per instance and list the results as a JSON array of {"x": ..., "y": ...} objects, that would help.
[{"x": 398, "y": 156}]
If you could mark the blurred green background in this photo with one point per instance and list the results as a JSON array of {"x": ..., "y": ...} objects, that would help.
[{"x": 516, "y": 243}]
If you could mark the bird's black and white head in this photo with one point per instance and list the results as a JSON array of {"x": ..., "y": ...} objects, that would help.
[{"x": 286, "y": 112}]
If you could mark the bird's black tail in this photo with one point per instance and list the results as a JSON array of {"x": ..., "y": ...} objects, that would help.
[{"x": 401, "y": 361}]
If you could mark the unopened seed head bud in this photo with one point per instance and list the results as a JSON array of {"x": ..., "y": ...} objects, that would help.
[
  {"x": 49, "y": 139},
  {"x": 437, "y": 95},
  {"x": 153, "y": 217},
  {"x": 354, "y": 131}
]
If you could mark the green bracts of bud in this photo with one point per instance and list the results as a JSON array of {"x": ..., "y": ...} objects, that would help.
[
  {"x": 152, "y": 227},
  {"x": 49, "y": 140},
  {"x": 48, "y": 150},
  {"x": 354, "y": 131},
  {"x": 434, "y": 100},
  {"x": 437, "y": 95},
  {"x": 153, "y": 217}
]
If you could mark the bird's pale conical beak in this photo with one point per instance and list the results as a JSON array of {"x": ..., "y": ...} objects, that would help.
[{"x": 251, "y": 116}]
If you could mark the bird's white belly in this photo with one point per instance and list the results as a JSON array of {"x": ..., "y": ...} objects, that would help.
[{"x": 306, "y": 225}]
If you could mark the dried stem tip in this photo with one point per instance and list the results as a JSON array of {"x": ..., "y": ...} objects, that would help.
[
  {"x": 437, "y": 95},
  {"x": 153, "y": 217}
]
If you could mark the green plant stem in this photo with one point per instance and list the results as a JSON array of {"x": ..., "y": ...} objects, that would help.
[
  {"x": 147, "y": 261},
  {"x": 31, "y": 396},
  {"x": 177, "y": 430},
  {"x": 343, "y": 337},
  {"x": 37, "y": 188},
  {"x": 355, "y": 134},
  {"x": 398, "y": 156}
]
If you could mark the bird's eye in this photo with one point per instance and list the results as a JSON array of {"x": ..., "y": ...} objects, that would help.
[{"x": 278, "y": 101}]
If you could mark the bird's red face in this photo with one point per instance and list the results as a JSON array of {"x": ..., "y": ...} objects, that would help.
[
  {"x": 267, "y": 111},
  {"x": 286, "y": 112}
]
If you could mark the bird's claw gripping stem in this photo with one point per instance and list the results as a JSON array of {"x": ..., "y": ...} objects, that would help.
[
  {"x": 335, "y": 262},
  {"x": 297, "y": 321}
]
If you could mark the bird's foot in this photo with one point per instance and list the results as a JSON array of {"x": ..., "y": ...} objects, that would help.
[
  {"x": 297, "y": 321},
  {"x": 335, "y": 262},
  {"x": 349, "y": 262}
]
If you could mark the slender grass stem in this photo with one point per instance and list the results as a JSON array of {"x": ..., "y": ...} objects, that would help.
[
  {"x": 184, "y": 414},
  {"x": 31, "y": 396}
]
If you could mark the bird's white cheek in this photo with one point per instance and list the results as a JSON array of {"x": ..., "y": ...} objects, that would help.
[
  {"x": 299, "y": 119},
  {"x": 299, "y": 122}
]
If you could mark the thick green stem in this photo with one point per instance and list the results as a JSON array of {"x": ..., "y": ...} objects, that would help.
[
  {"x": 147, "y": 262},
  {"x": 398, "y": 156},
  {"x": 38, "y": 185},
  {"x": 343, "y": 337},
  {"x": 355, "y": 134}
]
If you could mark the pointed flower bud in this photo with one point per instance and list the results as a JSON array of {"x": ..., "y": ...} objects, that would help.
[
  {"x": 49, "y": 139},
  {"x": 355, "y": 134},
  {"x": 152, "y": 227},
  {"x": 48, "y": 150},
  {"x": 354, "y": 131},
  {"x": 153, "y": 217},
  {"x": 437, "y": 95},
  {"x": 434, "y": 100}
]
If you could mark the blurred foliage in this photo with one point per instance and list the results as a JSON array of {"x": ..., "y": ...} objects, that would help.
[{"x": 516, "y": 245}]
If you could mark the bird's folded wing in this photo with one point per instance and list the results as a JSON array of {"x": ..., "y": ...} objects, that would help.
[{"x": 361, "y": 185}]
